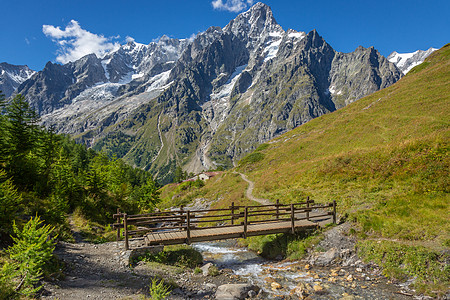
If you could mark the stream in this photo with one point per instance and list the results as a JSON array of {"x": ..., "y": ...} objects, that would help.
[{"x": 295, "y": 280}]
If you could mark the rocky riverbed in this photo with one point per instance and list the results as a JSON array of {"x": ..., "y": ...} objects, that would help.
[{"x": 98, "y": 271}]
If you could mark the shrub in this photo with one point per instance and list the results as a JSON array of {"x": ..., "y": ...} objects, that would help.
[
  {"x": 181, "y": 256},
  {"x": 33, "y": 248},
  {"x": 213, "y": 271},
  {"x": 158, "y": 291}
]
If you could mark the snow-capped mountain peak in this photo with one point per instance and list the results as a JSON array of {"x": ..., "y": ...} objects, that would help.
[
  {"x": 11, "y": 76},
  {"x": 406, "y": 61}
]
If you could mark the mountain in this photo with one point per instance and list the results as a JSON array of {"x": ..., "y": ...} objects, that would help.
[
  {"x": 406, "y": 61},
  {"x": 103, "y": 79},
  {"x": 11, "y": 76},
  {"x": 205, "y": 102}
]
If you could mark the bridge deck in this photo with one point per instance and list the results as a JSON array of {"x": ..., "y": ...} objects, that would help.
[{"x": 211, "y": 234}]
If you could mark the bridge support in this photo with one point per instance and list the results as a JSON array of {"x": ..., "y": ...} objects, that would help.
[
  {"x": 307, "y": 206},
  {"x": 125, "y": 231},
  {"x": 292, "y": 219},
  {"x": 334, "y": 211},
  {"x": 245, "y": 222}
]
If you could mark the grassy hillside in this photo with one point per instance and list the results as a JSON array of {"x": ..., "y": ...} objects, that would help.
[{"x": 385, "y": 160}]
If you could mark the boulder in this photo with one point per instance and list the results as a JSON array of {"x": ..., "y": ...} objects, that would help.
[
  {"x": 326, "y": 258},
  {"x": 205, "y": 269},
  {"x": 235, "y": 291}
]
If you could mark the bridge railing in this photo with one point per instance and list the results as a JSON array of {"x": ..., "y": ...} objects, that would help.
[{"x": 188, "y": 220}]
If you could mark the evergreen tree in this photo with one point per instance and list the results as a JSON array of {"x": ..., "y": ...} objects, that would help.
[
  {"x": 3, "y": 131},
  {"x": 22, "y": 133},
  {"x": 178, "y": 176},
  {"x": 147, "y": 196}
]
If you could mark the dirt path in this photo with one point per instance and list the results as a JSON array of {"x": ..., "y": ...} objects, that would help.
[
  {"x": 94, "y": 272},
  {"x": 249, "y": 192}
]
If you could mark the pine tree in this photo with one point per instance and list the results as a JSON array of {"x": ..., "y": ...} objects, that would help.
[
  {"x": 3, "y": 131},
  {"x": 22, "y": 133}
]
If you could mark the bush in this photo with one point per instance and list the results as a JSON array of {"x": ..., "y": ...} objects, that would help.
[
  {"x": 33, "y": 248},
  {"x": 181, "y": 256},
  {"x": 213, "y": 271},
  {"x": 158, "y": 291},
  {"x": 284, "y": 244}
]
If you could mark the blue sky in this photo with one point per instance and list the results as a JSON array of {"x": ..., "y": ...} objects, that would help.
[{"x": 400, "y": 25}]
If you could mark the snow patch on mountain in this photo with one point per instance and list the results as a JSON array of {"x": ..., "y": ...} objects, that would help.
[
  {"x": 159, "y": 82},
  {"x": 297, "y": 36},
  {"x": 226, "y": 89},
  {"x": 273, "y": 45},
  {"x": 332, "y": 90}
]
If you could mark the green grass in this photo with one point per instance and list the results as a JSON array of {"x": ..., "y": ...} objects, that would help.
[
  {"x": 401, "y": 261},
  {"x": 91, "y": 231},
  {"x": 220, "y": 191}
]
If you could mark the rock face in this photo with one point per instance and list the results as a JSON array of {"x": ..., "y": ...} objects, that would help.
[
  {"x": 11, "y": 76},
  {"x": 205, "y": 102},
  {"x": 406, "y": 61}
]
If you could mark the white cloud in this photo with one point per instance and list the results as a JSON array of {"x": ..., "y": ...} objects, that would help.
[
  {"x": 74, "y": 42},
  {"x": 232, "y": 5}
]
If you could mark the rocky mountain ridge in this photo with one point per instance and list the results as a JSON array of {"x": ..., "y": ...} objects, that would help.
[
  {"x": 204, "y": 103},
  {"x": 11, "y": 76}
]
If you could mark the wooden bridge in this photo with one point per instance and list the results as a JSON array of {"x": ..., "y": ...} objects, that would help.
[{"x": 188, "y": 226}]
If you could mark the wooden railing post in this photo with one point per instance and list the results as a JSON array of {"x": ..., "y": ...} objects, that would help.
[
  {"x": 125, "y": 231},
  {"x": 232, "y": 213},
  {"x": 188, "y": 228},
  {"x": 245, "y": 222},
  {"x": 118, "y": 222},
  {"x": 278, "y": 208},
  {"x": 334, "y": 211},
  {"x": 292, "y": 219},
  {"x": 307, "y": 206},
  {"x": 181, "y": 215}
]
